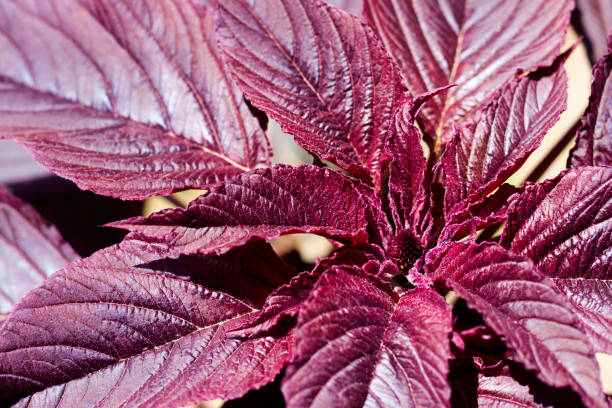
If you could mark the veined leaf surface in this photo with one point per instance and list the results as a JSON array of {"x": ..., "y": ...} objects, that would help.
[{"x": 128, "y": 99}]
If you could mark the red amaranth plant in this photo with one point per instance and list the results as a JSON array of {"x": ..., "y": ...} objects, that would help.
[{"x": 135, "y": 98}]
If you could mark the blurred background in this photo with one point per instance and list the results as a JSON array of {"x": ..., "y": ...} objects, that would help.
[{"x": 79, "y": 214}]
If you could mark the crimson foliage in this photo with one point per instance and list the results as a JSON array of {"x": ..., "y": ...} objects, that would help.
[{"x": 135, "y": 98}]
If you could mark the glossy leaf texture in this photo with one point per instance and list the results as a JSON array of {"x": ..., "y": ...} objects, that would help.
[
  {"x": 477, "y": 45},
  {"x": 484, "y": 154},
  {"x": 596, "y": 16},
  {"x": 103, "y": 332},
  {"x": 31, "y": 249},
  {"x": 407, "y": 195},
  {"x": 593, "y": 138},
  {"x": 565, "y": 226},
  {"x": 358, "y": 345},
  {"x": 264, "y": 204},
  {"x": 524, "y": 307},
  {"x": 319, "y": 72},
  {"x": 128, "y": 99},
  {"x": 352, "y": 6},
  {"x": 504, "y": 392}
]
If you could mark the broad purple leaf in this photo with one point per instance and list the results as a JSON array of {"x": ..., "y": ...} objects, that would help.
[
  {"x": 318, "y": 71},
  {"x": 16, "y": 165},
  {"x": 127, "y": 99},
  {"x": 478, "y": 45},
  {"x": 594, "y": 140},
  {"x": 264, "y": 204},
  {"x": 352, "y": 6},
  {"x": 524, "y": 307},
  {"x": 30, "y": 250},
  {"x": 504, "y": 392},
  {"x": 565, "y": 226},
  {"x": 104, "y": 333},
  {"x": 483, "y": 155},
  {"x": 596, "y": 16},
  {"x": 358, "y": 345}
]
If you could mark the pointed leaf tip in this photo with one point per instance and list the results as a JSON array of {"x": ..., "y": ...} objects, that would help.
[{"x": 335, "y": 89}]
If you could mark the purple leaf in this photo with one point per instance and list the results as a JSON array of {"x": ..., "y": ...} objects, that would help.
[
  {"x": 504, "y": 392},
  {"x": 288, "y": 299},
  {"x": 16, "y": 165},
  {"x": 511, "y": 127},
  {"x": 477, "y": 45},
  {"x": 125, "y": 98},
  {"x": 524, "y": 307},
  {"x": 596, "y": 16},
  {"x": 471, "y": 217},
  {"x": 318, "y": 71},
  {"x": 285, "y": 302},
  {"x": 267, "y": 203},
  {"x": 352, "y": 6},
  {"x": 565, "y": 226},
  {"x": 104, "y": 333},
  {"x": 407, "y": 195},
  {"x": 358, "y": 345},
  {"x": 593, "y": 143},
  {"x": 30, "y": 250},
  {"x": 249, "y": 273}
]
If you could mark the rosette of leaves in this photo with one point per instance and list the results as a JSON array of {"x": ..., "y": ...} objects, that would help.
[{"x": 134, "y": 98}]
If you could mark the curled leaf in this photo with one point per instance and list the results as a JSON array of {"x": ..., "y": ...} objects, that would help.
[
  {"x": 264, "y": 204},
  {"x": 593, "y": 141},
  {"x": 596, "y": 16},
  {"x": 407, "y": 194}
]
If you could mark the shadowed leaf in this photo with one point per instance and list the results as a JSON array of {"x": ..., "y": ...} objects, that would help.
[
  {"x": 524, "y": 307},
  {"x": 596, "y": 18},
  {"x": 30, "y": 250},
  {"x": 104, "y": 333},
  {"x": 593, "y": 143}
]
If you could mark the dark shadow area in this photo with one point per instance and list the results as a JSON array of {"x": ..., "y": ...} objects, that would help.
[
  {"x": 77, "y": 214},
  {"x": 268, "y": 396}
]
